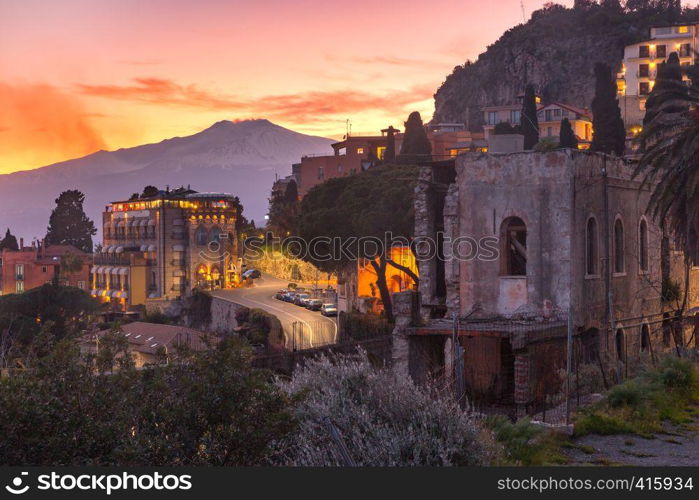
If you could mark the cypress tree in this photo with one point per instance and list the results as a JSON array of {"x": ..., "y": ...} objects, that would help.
[
  {"x": 609, "y": 133},
  {"x": 389, "y": 155},
  {"x": 416, "y": 146},
  {"x": 68, "y": 224},
  {"x": 668, "y": 86},
  {"x": 567, "y": 137},
  {"x": 529, "y": 123}
]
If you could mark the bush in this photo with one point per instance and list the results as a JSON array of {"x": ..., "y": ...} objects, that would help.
[
  {"x": 524, "y": 443},
  {"x": 383, "y": 419},
  {"x": 546, "y": 144},
  {"x": 676, "y": 373},
  {"x": 627, "y": 394}
]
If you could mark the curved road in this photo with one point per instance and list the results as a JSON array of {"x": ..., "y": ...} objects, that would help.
[{"x": 303, "y": 329}]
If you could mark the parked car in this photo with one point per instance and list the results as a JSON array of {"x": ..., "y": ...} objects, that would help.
[
  {"x": 280, "y": 294},
  {"x": 314, "y": 304},
  {"x": 328, "y": 310},
  {"x": 289, "y": 296},
  {"x": 298, "y": 299},
  {"x": 252, "y": 274}
]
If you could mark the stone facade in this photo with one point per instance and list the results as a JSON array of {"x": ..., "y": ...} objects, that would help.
[{"x": 530, "y": 241}]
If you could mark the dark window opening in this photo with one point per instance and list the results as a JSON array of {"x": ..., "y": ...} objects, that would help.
[
  {"x": 514, "y": 235},
  {"x": 643, "y": 245},
  {"x": 645, "y": 338},
  {"x": 618, "y": 247},
  {"x": 591, "y": 246},
  {"x": 620, "y": 345}
]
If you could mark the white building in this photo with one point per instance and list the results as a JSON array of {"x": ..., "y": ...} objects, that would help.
[{"x": 639, "y": 69}]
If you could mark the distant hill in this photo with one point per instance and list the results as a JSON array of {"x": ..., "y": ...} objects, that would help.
[
  {"x": 241, "y": 158},
  {"x": 555, "y": 50}
]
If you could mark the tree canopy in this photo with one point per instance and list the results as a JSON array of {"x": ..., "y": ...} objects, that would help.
[
  {"x": 370, "y": 205},
  {"x": 415, "y": 146},
  {"x": 68, "y": 224},
  {"x": 9, "y": 242},
  {"x": 609, "y": 133},
  {"x": 213, "y": 409},
  {"x": 567, "y": 136}
]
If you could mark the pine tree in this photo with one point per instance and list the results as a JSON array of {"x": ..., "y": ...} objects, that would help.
[
  {"x": 416, "y": 146},
  {"x": 609, "y": 134},
  {"x": 68, "y": 224},
  {"x": 529, "y": 120},
  {"x": 9, "y": 242},
  {"x": 567, "y": 137}
]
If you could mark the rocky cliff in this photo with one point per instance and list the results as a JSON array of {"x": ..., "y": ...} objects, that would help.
[{"x": 555, "y": 50}]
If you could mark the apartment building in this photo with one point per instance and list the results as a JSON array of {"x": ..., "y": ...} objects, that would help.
[
  {"x": 36, "y": 265},
  {"x": 639, "y": 69},
  {"x": 357, "y": 153},
  {"x": 163, "y": 247},
  {"x": 550, "y": 116}
]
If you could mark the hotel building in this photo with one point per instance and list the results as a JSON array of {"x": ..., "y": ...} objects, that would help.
[
  {"x": 163, "y": 247},
  {"x": 639, "y": 69}
]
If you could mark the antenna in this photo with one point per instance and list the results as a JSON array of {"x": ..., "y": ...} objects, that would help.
[
  {"x": 524, "y": 16},
  {"x": 347, "y": 127}
]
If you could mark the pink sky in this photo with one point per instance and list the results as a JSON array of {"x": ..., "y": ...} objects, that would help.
[{"x": 81, "y": 75}]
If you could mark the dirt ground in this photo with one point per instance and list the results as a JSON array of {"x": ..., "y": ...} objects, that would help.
[{"x": 677, "y": 445}]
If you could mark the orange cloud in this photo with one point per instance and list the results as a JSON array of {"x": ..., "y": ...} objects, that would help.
[
  {"x": 42, "y": 125},
  {"x": 294, "y": 108}
]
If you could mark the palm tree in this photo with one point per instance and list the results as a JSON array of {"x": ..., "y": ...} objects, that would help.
[{"x": 669, "y": 145}]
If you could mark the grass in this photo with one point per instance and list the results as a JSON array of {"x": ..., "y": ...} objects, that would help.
[
  {"x": 641, "y": 405},
  {"x": 526, "y": 444}
]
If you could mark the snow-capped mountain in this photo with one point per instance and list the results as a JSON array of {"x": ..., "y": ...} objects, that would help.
[{"x": 241, "y": 158}]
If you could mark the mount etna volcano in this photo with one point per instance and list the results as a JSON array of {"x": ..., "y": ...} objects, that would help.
[{"x": 241, "y": 158}]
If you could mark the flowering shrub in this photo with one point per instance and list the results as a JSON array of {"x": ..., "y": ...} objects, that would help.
[{"x": 383, "y": 419}]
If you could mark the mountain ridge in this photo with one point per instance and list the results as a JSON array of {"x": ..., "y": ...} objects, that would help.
[{"x": 238, "y": 157}]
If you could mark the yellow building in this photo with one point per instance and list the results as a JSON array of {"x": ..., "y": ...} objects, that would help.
[{"x": 163, "y": 246}]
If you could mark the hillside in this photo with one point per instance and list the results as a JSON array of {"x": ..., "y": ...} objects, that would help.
[
  {"x": 556, "y": 50},
  {"x": 241, "y": 158}
]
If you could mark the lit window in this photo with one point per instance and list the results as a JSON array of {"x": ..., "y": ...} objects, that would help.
[
  {"x": 360, "y": 151},
  {"x": 683, "y": 29},
  {"x": 19, "y": 287},
  {"x": 380, "y": 151}
]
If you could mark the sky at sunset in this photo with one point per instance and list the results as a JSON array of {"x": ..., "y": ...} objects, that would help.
[{"x": 77, "y": 76}]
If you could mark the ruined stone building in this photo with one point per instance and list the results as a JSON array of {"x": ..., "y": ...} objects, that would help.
[{"x": 522, "y": 247}]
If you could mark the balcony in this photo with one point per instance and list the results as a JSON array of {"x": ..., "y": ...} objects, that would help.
[
  {"x": 178, "y": 288},
  {"x": 19, "y": 277},
  {"x": 647, "y": 74},
  {"x": 177, "y": 262},
  {"x": 112, "y": 259}
]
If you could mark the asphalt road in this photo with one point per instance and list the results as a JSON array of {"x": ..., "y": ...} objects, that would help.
[{"x": 303, "y": 329}]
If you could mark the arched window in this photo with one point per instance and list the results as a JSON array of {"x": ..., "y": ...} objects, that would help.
[
  {"x": 201, "y": 236},
  {"x": 591, "y": 251},
  {"x": 216, "y": 234},
  {"x": 620, "y": 344},
  {"x": 645, "y": 338},
  {"x": 514, "y": 256},
  {"x": 643, "y": 245},
  {"x": 693, "y": 242},
  {"x": 618, "y": 246}
]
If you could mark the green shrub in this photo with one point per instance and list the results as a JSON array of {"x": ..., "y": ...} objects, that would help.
[
  {"x": 627, "y": 394},
  {"x": 676, "y": 373},
  {"x": 601, "y": 423}
]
